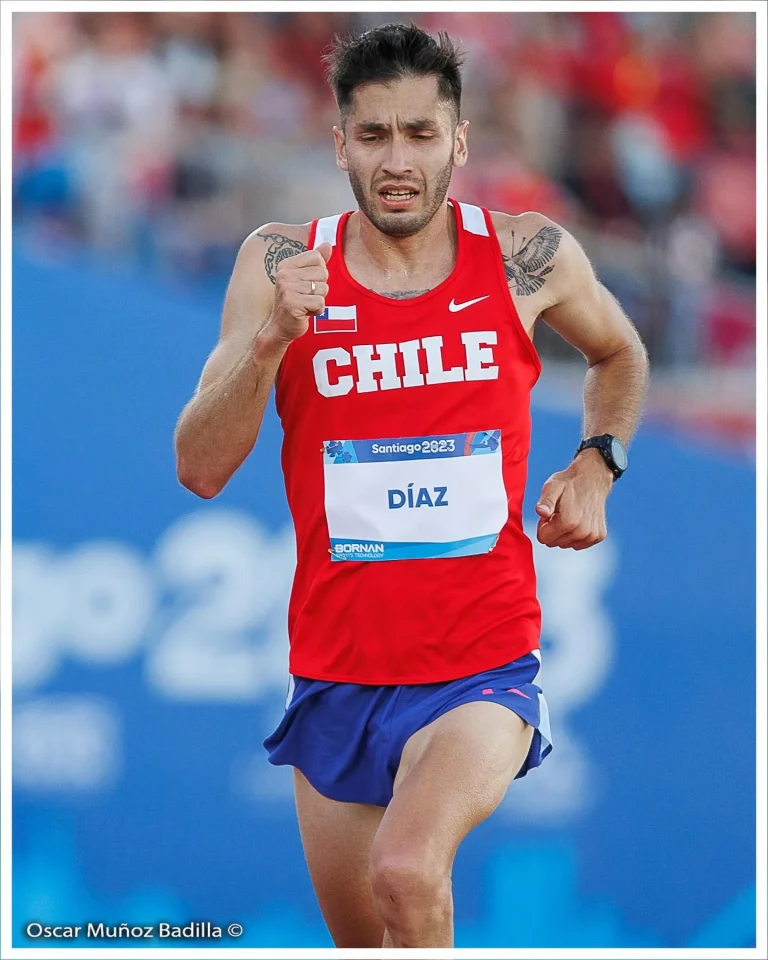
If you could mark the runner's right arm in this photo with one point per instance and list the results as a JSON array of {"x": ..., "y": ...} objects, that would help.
[{"x": 267, "y": 305}]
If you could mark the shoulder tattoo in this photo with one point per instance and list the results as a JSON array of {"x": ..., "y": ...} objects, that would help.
[
  {"x": 528, "y": 268},
  {"x": 280, "y": 248}
]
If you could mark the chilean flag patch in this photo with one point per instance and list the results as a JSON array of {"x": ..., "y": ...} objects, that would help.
[{"x": 337, "y": 320}]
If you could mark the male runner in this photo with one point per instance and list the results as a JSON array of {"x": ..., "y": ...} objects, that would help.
[{"x": 399, "y": 337}]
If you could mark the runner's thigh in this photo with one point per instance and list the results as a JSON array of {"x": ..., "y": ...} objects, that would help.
[
  {"x": 453, "y": 774},
  {"x": 337, "y": 840}
]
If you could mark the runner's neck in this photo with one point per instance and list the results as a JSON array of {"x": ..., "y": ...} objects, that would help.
[{"x": 401, "y": 258}]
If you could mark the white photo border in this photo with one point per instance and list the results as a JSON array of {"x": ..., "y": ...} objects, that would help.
[{"x": 7, "y": 9}]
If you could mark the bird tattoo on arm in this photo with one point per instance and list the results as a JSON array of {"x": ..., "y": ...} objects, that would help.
[{"x": 528, "y": 268}]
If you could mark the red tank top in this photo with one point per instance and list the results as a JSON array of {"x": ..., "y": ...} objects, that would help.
[{"x": 406, "y": 437}]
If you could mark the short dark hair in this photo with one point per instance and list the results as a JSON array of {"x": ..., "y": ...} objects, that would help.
[{"x": 390, "y": 52}]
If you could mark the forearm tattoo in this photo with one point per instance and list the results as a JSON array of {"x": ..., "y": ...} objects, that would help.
[
  {"x": 280, "y": 248},
  {"x": 527, "y": 268}
]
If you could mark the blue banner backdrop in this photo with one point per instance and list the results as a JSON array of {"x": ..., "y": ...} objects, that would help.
[{"x": 150, "y": 660}]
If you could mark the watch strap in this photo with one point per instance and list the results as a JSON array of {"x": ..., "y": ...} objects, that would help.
[{"x": 603, "y": 444}]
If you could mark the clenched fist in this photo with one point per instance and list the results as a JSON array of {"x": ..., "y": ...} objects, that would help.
[
  {"x": 572, "y": 504},
  {"x": 301, "y": 286}
]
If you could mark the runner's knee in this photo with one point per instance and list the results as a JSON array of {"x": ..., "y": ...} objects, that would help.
[{"x": 409, "y": 890}]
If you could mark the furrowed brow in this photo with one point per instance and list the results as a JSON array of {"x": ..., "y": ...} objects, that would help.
[
  {"x": 377, "y": 126},
  {"x": 420, "y": 123},
  {"x": 371, "y": 126}
]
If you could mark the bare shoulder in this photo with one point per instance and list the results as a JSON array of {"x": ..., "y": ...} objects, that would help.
[
  {"x": 541, "y": 258},
  {"x": 551, "y": 277},
  {"x": 521, "y": 225},
  {"x": 273, "y": 242},
  {"x": 251, "y": 290},
  {"x": 531, "y": 245}
]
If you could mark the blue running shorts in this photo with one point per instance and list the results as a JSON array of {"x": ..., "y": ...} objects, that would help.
[{"x": 347, "y": 738}]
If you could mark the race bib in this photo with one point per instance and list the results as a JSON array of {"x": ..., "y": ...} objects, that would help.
[{"x": 414, "y": 497}]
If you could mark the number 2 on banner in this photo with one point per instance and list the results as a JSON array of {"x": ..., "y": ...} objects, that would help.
[{"x": 230, "y": 580}]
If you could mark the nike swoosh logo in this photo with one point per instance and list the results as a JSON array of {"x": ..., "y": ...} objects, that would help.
[{"x": 455, "y": 307}]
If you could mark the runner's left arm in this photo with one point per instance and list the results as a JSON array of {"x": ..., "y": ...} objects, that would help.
[{"x": 588, "y": 316}]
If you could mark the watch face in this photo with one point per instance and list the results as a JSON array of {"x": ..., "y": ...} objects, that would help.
[{"x": 619, "y": 454}]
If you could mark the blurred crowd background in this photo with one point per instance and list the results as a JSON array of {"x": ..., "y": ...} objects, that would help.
[{"x": 166, "y": 138}]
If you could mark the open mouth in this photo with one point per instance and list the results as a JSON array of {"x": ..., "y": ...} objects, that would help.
[{"x": 398, "y": 198}]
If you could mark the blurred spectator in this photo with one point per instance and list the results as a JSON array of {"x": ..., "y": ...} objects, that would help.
[
  {"x": 189, "y": 59},
  {"x": 246, "y": 70}
]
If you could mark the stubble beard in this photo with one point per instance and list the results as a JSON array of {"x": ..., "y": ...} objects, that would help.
[{"x": 403, "y": 224}]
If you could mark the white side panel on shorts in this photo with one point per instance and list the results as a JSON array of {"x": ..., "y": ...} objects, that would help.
[
  {"x": 326, "y": 230},
  {"x": 473, "y": 219},
  {"x": 544, "y": 728},
  {"x": 291, "y": 688}
]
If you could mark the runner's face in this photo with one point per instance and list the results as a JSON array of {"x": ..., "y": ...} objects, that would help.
[{"x": 399, "y": 145}]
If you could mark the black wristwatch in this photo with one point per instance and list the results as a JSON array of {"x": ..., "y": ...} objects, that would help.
[{"x": 612, "y": 451}]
